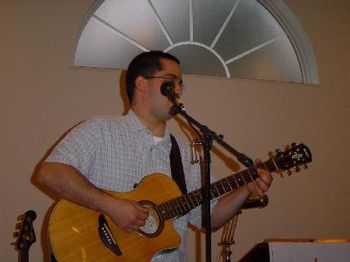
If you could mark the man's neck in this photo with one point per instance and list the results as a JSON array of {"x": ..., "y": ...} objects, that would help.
[{"x": 155, "y": 126}]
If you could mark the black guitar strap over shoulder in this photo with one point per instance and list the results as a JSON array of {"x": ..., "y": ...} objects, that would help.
[{"x": 177, "y": 171}]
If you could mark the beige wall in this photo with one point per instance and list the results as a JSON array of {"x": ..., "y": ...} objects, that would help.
[{"x": 42, "y": 96}]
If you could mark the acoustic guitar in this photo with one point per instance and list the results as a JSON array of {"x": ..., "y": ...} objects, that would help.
[
  {"x": 80, "y": 234},
  {"x": 25, "y": 236}
]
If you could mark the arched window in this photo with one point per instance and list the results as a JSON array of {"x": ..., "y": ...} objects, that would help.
[{"x": 229, "y": 38}]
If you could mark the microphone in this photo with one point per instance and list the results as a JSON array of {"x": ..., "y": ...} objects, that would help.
[{"x": 168, "y": 89}]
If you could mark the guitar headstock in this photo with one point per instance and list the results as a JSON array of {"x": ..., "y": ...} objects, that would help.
[
  {"x": 292, "y": 156},
  {"x": 25, "y": 235}
]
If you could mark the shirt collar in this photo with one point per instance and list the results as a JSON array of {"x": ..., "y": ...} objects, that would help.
[{"x": 134, "y": 124}]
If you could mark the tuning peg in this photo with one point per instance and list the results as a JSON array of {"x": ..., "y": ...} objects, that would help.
[
  {"x": 287, "y": 172},
  {"x": 296, "y": 168},
  {"x": 277, "y": 151}
]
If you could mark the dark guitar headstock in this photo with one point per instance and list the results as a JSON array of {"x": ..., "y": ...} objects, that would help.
[
  {"x": 292, "y": 157},
  {"x": 25, "y": 235}
]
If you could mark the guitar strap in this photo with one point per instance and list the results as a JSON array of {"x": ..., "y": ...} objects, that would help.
[{"x": 177, "y": 171}]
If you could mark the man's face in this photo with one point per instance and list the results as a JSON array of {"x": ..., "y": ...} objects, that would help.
[{"x": 159, "y": 104}]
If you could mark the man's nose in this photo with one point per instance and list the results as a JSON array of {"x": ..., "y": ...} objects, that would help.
[{"x": 178, "y": 89}]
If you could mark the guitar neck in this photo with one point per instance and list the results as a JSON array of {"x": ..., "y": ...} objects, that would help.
[
  {"x": 24, "y": 255},
  {"x": 183, "y": 204}
]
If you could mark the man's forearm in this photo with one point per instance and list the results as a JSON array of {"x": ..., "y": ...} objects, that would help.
[
  {"x": 67, "y": 182},
  {"x": 228, "y": 206}
]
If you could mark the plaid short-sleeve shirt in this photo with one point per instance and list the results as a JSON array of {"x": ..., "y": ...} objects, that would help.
[{"x": 115, "y": 153}]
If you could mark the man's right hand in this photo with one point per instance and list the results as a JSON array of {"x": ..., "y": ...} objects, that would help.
[{"x": 127, "y": 214}]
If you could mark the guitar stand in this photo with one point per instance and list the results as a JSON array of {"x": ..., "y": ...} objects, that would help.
[
  {"x": 254, "y": 201},
  {"x": 227, "y": 238}
]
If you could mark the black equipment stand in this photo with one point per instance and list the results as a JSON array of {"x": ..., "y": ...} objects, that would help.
[{"x": 207, "y": 137}]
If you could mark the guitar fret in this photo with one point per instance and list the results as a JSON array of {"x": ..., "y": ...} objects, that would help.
[
  {"x": 199, "y": 196},
  {"x": 183, "y": 204},
  {"x": 196, "y": 198},
  {"x": 227, "y": 186},
  {"x": 165, "y": 210},
  {"x": 194, "y": 201},
  {"x": 214, "y": 193},
  {"x": 170, "y": 211},
  {"x": 215, "y": 190},
  {"x": 251, "y": 175},
  {"x": 159, "y": 212},
  {"x": 242, "y": 177},
  {"x": 191, "y": 201},
  {"x": 187, "y": 204},
  {"x": 177, "y": 207},
  {"x": 239, "y": 181},
  {"x": 164, "y": 213},
  {"x": 228, "y": 180},
  {"x": 210, "y": 192},
  {"x": 221, "y": 188},
  {"x": 271, "y": 165},
  {"x": 233, "y": 179}
]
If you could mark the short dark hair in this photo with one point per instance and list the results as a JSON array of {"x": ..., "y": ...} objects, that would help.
[{"x": 145, "y": 64}]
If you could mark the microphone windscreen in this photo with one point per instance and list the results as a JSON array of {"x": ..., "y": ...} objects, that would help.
[{"x": 167, "y": 88}]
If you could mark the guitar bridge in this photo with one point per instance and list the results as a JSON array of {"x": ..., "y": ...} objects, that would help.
[{"x": 107, "y": 237}]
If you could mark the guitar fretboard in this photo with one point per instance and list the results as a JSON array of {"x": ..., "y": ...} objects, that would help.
[{"x": 183, "y": 204}]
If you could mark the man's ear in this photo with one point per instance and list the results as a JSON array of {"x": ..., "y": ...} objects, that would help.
[{"x": 141, "y": 84}]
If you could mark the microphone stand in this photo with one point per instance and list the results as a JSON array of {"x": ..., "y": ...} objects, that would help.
[{"x": 207, "y": 140}]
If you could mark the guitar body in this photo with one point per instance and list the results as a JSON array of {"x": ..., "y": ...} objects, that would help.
[{"x": 74, "y": 235}]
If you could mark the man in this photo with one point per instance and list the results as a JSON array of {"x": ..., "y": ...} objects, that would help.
[{"x": 116, "y": 153}]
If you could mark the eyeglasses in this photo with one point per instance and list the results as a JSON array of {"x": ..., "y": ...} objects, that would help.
[{"x": 170, "y": 79}]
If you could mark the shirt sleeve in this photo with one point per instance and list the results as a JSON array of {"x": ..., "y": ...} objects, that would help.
[{"x": 78, "y": 147}]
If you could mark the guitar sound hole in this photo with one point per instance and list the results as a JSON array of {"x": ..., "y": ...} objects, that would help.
[{"x": 153, "y": 225}]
